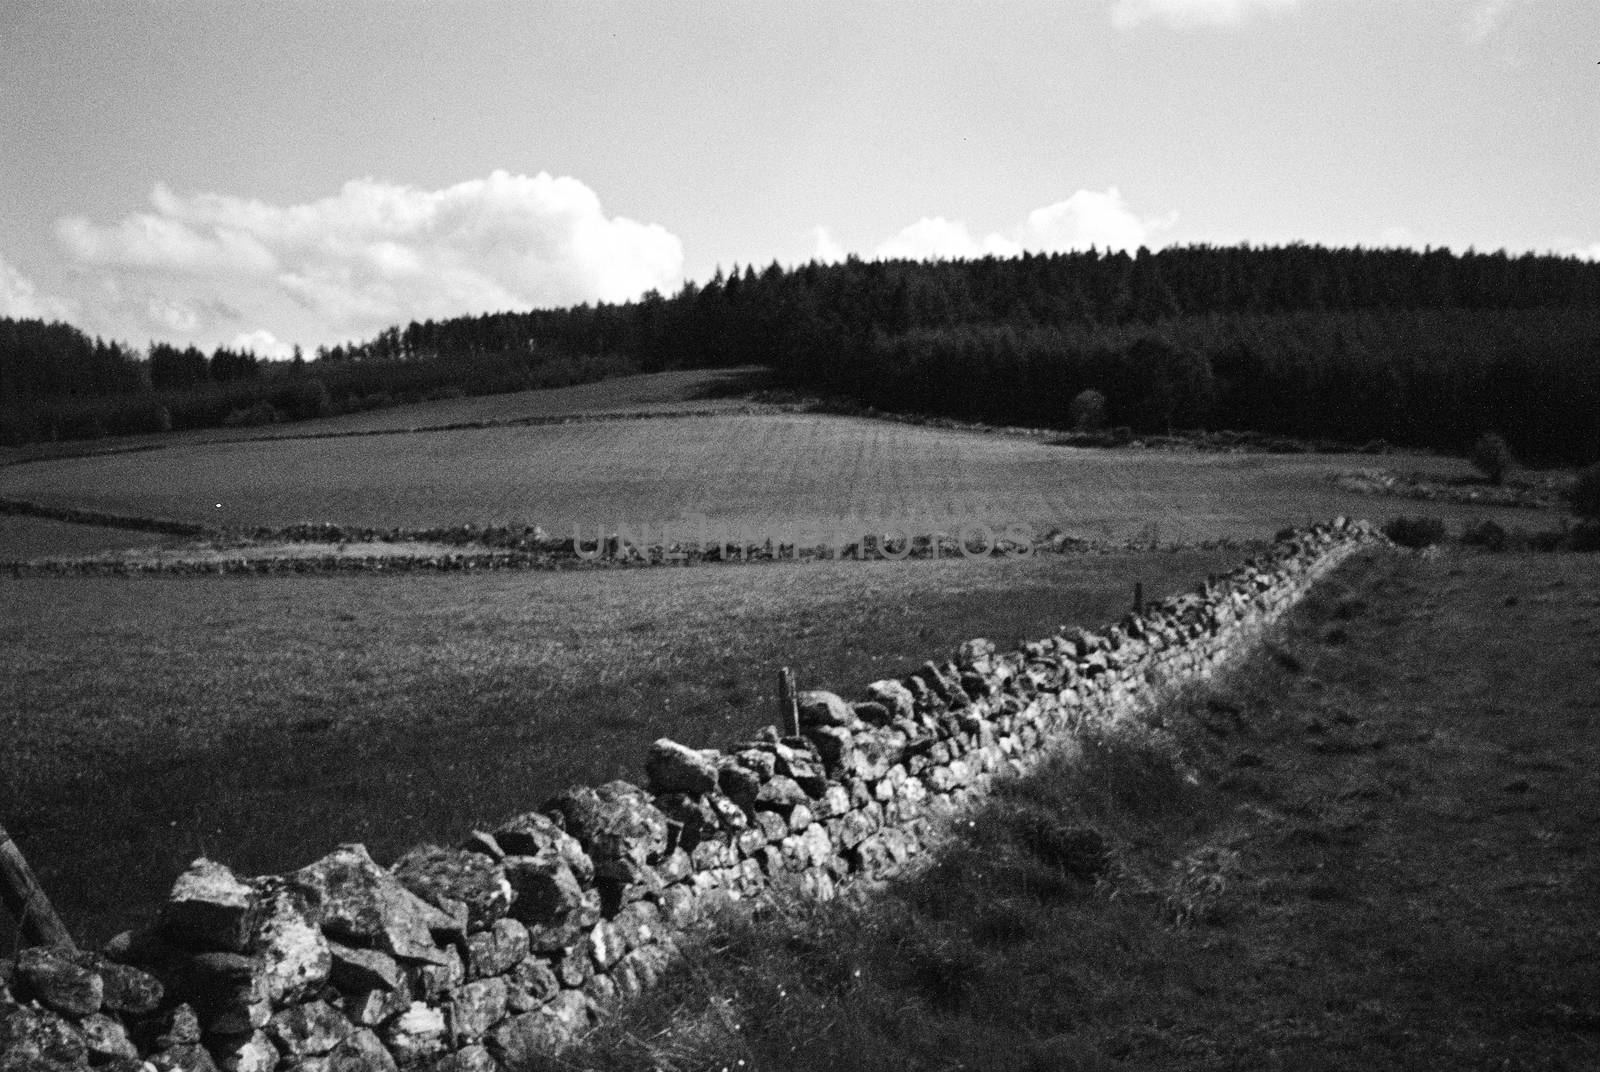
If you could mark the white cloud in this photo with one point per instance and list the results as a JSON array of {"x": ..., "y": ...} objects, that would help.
[
  {"x": 941, "y": 239},
  {"x": 19, "y": 298},
  {"x": 1486, "y": 16},
  {"x": 375, "y": 254},
  {"x": 262, "y": 343},
  {"x": 1101, "y": 219},
  {"x": 1090, "y": 218},
  {"x": 827, "y": 249},
  {"x": 1588, "y": 253},
  {"x": 1183, "y": 14}
]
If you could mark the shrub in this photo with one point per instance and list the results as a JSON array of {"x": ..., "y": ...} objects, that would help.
[
  {"x": 1087, "y": 411},
  {"x": 252, "y": 416},
  {"x": 1492, "y": 457},
  {"x": 1584, "y": 496},
  {"x": 1486, "y": 534},
  {"x": 1415, "y": 531},
  {"x": 308, "y": 398}
]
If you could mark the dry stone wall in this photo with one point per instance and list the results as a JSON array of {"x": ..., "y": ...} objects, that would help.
[{"x": 493, "y": 953}]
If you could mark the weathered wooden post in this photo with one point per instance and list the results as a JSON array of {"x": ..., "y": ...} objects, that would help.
[
  {"x": 1138, "y": 596},
  {"x": 788, "y": 704},
  {"x": 25, "y": 898}
]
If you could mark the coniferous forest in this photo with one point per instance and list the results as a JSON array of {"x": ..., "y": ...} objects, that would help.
[{"x": 1426, "y": 349}]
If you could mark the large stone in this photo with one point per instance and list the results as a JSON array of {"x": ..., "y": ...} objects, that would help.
[
  {"x": 467, "y": 1059},
  {"x": 361, "y": 1052},
  {"x": 894, "y": 696},
  {"x": 547, "y": 893},
  {"x": 780, "y": 794},
  {"x": 248, "y": 1053},
  {"x": 689, "y": 817},
  {"x": 130, "y": 991},
  {"x": 759, "y": 761},
  {"x": 535, "y": 981},
  {"x": 179, "y": 1026},
  {"x": 529, "y": 1042},
  {"x": 210, "y": 907},
  {"x": 874, "y": 753},
  {"x": 737, "y": 781},
  {"x": 417, "y": 1035},
  {"x": 674, "y": 768},
  {"x": 615, "y": 821},
  {"x": 59, "y": 981},
  {"x": 228, "y": 991},
  {"x": 357, "y": 970},
  {"x": 375, "y": 1007},
  {"x": 532, "y": 1041},
  {"x": 39, "y": 1038},
  {"x": 476, "y": 1007},
  {"x": 819, "y": 708},
  {"x": 456, "y": 882},
  {"x": 295, "y": 952},
  {"x": 799, "y": 760},
  {"x": 105, "y": 1038},
  {"x": 535, "y": 834},
  {"x": 189, "y": 1057},
  {"x": 872, "y": 713},
  {"x": 494, "y": 951},
  {"x": 432, "y": 981},
  {"x": 976, "y": 654},
  {"x": 309, "y": 1030},
  {"x": 833, "y": 745},
  {"x": 353, "y": 899}
]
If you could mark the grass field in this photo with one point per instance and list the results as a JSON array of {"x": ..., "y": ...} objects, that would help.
[
  {"x": 766, "y": 472},
  {"x": 23, "y": 538},
  {"x": 263, "y": 720},
  {"x": 1371, "y": 849},
  {"x": 660, "y": 392}
]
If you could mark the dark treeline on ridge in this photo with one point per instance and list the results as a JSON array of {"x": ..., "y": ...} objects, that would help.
[{"x": 1426, "y": 348}]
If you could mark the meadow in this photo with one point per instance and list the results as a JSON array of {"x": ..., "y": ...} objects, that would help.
[
  {"x": 1369, "y": 847},
  {"x": 263, "y": 720},
  {"x": 764, "y": 472}
]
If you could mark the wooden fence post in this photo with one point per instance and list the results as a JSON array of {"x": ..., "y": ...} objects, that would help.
[
  {"x": 1138, "y": 596},
  {"x": 26, "y": 899},
  {"x": 788, "y": 704}
]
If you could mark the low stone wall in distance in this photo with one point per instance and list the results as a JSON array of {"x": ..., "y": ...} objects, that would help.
[{"x": 493, "y": 953}]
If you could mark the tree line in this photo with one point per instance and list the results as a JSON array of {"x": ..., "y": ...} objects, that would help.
[{"x": 1421, "y": 348}]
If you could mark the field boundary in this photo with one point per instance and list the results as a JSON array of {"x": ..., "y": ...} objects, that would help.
[
  {"x": 322, "y": 547},
  {"x": 496, "y": 953}
]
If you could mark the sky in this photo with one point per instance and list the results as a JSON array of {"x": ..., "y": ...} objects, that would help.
[{"x": 278, "y": 172}]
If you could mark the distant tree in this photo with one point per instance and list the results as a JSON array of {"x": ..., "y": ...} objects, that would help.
[
  {"x": 172, "y": 368},
  {"x": 1087, "y": 411},
  {"x": 1585, "y": 494},
  {"x": 1492, "y": 457}
]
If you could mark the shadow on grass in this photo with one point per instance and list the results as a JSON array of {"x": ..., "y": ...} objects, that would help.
[{"x": 1039, "y": 918}]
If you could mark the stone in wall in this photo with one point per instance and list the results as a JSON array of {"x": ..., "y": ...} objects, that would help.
[{"x": 351, "y": 897}]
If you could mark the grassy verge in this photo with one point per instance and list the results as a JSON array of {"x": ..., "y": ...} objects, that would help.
[
  {"x": 264, "y": 720},
  {"x": 1372, "y": 848}
]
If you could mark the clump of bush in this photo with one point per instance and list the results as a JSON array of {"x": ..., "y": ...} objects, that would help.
[
  {"x": 1415, "y": 531},
  {"x": 1487, "y": 534},
  {"x": 1087, "y": 411},
  {"x": 252, "y": 416},
  {"x": 1492, "y": 457},
  {"x": 1584, "y": 495}
]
